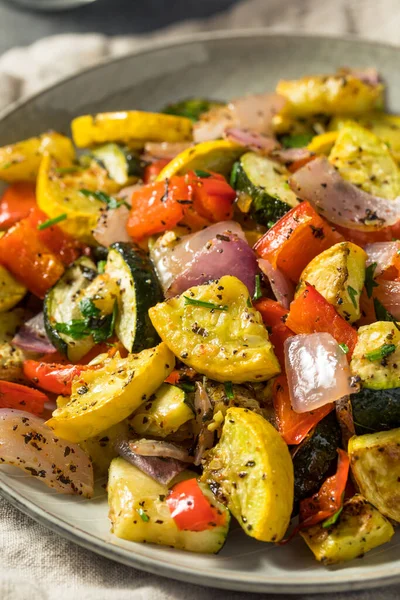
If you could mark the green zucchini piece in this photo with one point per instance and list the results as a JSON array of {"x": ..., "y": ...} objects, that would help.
[
  {"x": 61, "y": 304},
  {"x": 381, "y": 373},
  {"x": 263, "y": 189},
  {"x": 376, "y": 410},
  {"x": 314, "y": 456},
  {"x": 163, "y": 413},
  {"x": 139, "y": 512},
  {"x": 121, "y": 163},
  {"x": 139, "y": 290},
  {"x": 192, "y": 108}
]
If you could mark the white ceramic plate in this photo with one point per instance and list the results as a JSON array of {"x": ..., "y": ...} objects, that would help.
[{"x": 219, "y": 66}]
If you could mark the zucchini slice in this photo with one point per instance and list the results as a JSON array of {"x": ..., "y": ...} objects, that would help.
[
  {"x": 251, "y": 471},
  {"x": 359, "y": 529},
  {"x": 215, "y": 330},
  {"x": 139, "y": 512},
  {"x": 139, "y": 289},
  {"x": 61, "y": 304},
  {"x": 377, "y": 374},
  {"x": 263, "y": 189},
  {"x": 163, "y": 413},
  {"x": 107, "y": 395},
  {"x": 122, "y": 164},
  {"x": 376, "y": 410},
  {"x": 375, "y": 464}
]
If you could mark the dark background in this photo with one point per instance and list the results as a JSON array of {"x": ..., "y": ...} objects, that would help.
[{"x": 20, "y": 26}]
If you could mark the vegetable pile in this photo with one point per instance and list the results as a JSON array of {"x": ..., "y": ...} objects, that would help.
[{"x": 203, "y": 306}]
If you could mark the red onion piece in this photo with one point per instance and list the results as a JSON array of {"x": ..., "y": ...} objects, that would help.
[
  {"x": 165, "y": 149},
  {"x": 341, "y": 202},
  {"x": 388, "y": 293},
  {"x": 370, "y": 75},
  {"x": 162, "y": 470},
  {"x": 161, "y": 449},
  {"x": 383, "y": 254},
  {"x": 282, "y": 287},
  {"x": 32, "y": 337},
  {"x": 255, "y": 141},
  {"x": 204, "y": 413},
  {"x": 172, "y": 260},
  {"x": 317, "y": 371},
  {"x": 288, "y": 156},
  {"x": 111, "y": 226},
  {"x": 27, "y": 443},
  {"x": 250, "y": 112}
]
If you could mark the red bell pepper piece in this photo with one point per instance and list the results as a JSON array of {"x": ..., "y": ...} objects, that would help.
[
  {"x": 21, "y": 397},
  {"x": 16, "y": 203},
  {"x": 152, "y": 171},
  {"x": 190, "y": 508},
  {"x": 29, "y": 259},
  {"x": 362, "y": 238},
  {"x": 213, "y": 197},
  {"x": 293, "y": 426},
  {"x": 52, "y": 377},
  {"x": 64, "y": 246},
  {"x": 311, "y": 313},
  {"x": 297, "y": 238}
]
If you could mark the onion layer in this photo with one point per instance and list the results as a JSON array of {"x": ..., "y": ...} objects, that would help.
[
  {"x": 317, "y": 371},
  {"x": 32, "y": 337},
  {"x": 161, "y": 449},
  {"x": 388, "y": 293},
  {"x": 27, "y": 443},
  {"x": 281, "y": 286},
  {"x": 383, "y": 254}
]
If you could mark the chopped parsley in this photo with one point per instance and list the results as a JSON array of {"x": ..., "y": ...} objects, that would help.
[
  {"x": 102, "y": 197},
  {"x": 384, "y": 315},
  {"x": 101, "y": 328},
  {"x": 186, "y": 387},
  {"x": 234, "y": 175},
  {"x": 202, "y": 174},
  {"x": 143, "y": 515},
  {"x": 101, "y": 266},
  {"x": 299, "y": 140},
  {"x": 67, "y": 170},
  {"x": 88, "y": 308},
  {"x": 229, "y": 393},
  {"x": 344, "y": 348},
  {"x": 370, "y": 282},
  {"x": 353, "y": 294},
  {"x": 202, "y": 303},
  {"x": 381, "y": 352},
  {"x": 257, "y": 290},
  {"x": 51, "y": 222},
  {"x": 332, "y": 520}
]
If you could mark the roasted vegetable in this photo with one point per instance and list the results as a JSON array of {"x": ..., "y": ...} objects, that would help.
[
  {"x": 375, "y": 464},
  {"x": 323, "y": 143},
  {"x": 163, "y": 413},
  {"x": 192, "y": 108},
  {"x": 313, "y": 458},
  {"x": 139, "y": 287},
  {"x": 365, "y": 160},
  {"x": 123, "y": 165},
  {"x": 129, "y": 126},
  {"x": 359, "y": 529},
  {"x": 376, "y": 410},
  {"x": 139, "y": 512},
  {"x": 338, "y": 274},
  {"x": 101, "y": 448},
  {"x": 11, "y": 290},
  {"x": 213, "y": 329},
  {"x": 336, "y": 94},
  {"x": 251, "y": 471},
  {"x": 371, "y": 362},
  {"x": 263, "y": 190},
  {"x": 106, "y": 395},
  {"x": 217, "y": 156},
  {"x": 59, "y": 192},
  {"x": 21, "y": 161},
  {"x": 11, "y": 357}
]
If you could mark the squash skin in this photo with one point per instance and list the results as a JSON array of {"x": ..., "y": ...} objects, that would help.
[
  {"x": 333, "y": 272},
  {"x": 251, "y": 471},
  {"x": 220, "y": 354},
  {"x": 359, "y": 529},
  {"x": 375, "y": 464},
  {"x": 11, "y": 290}
]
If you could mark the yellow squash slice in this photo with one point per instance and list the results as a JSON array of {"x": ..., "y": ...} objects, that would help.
[
  {"x": 128, "y": 126},
  {"x": 21, "y": 161},
  {"x": 217, "y": 156},
  {"x": 215, "y": 330},
  {"x": 252, "y": 470},
  {"x": 103, "y": 397},
  {"x": 11, "y": 290},
  {"x": 322, "y": 144}
]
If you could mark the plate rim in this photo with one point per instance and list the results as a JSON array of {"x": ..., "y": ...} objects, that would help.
[{"x": 117, "y": 553}]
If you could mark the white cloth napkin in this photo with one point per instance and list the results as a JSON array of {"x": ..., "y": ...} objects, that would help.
[{"x": 36, "y": 564}]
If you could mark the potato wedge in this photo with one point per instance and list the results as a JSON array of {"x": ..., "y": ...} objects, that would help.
[
  {"x": 105, "y": 396},
  {"x": 217, "y": 155},
  {"x": 139, "y": 512},
  {"x": 59, "y": 193},
  {"x": 11, "y": 290},
  {"x": 338, "y": 274},
  {"x": 127, "y": 126},
  {"x": 21, "y": 161},
  {"x": 229, "y": 343},
  {"x": 359, "y": 529},
  {"x": 364, "y": 159},
  {"x": 253, "y": 472},
  {"x": 375, "y": 464},
  {"x": 339, "y": 94},
  {"x": 377, "y": 374}
]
